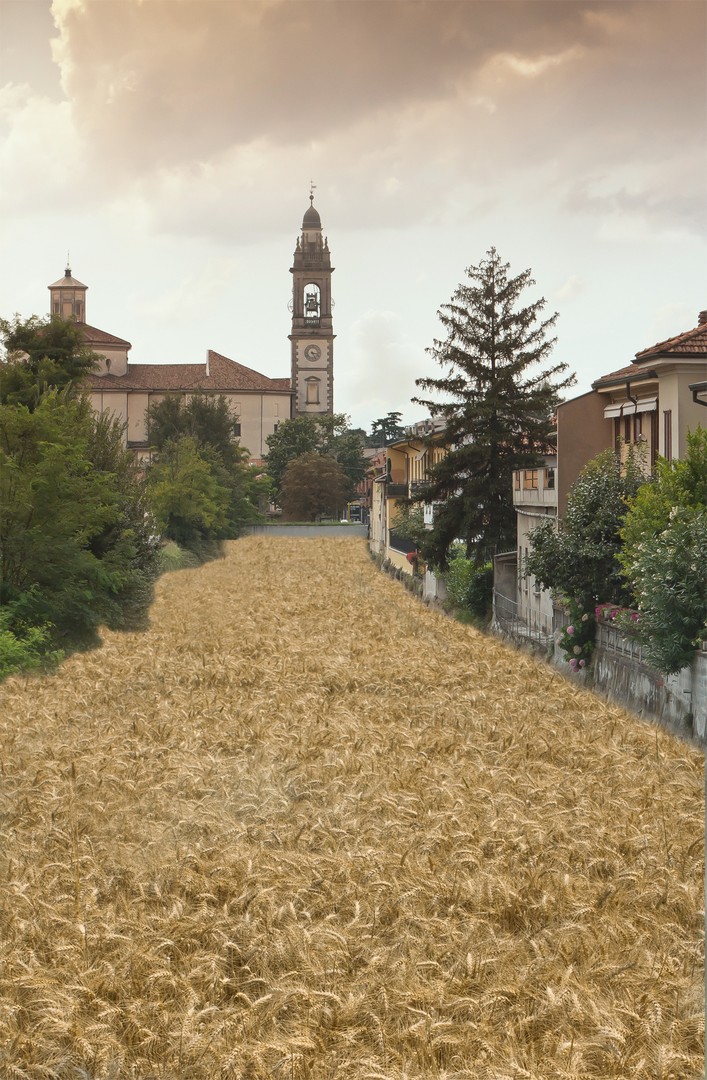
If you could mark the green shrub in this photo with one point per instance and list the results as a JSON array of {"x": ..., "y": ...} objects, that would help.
[
  {"x": 665, "y": 554},
  {"x": 173, "y": 557},
  {"x": 23, "y": 649},
  {"x": 469, "y": 587}
]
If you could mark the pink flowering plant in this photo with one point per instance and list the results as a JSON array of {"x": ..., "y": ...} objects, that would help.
[
  {"x": 577, "y": 640},
  {"x": 624, "y": 619}
]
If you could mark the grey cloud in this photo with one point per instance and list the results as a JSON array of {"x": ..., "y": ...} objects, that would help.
[{"x": 178, "y": 80}]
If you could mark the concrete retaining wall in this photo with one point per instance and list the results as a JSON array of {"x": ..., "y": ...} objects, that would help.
[
  {"x": 679, "y": 702},
  {"x": 308, "y": 530}
]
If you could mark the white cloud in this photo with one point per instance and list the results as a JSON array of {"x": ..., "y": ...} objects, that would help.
[
  {"x": 383, "y": 363},
  {"x": 573, "y": 287},
  {"x": 40, "y": 154}
]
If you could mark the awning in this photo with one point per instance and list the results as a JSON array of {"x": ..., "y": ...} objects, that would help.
[
  {"x": 641, "y": 406},
  {"x": 628, "y": 408}
]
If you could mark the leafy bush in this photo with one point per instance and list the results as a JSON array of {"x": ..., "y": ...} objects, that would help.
[
  {"x": 665, "y": 554},
  {"x": 668, "y": 572},
  {"x": 577, "y": 639},
  {"x": 469, "y": 587},
  {"x": 23, "y": 649},
  {"x": 76, "y": 549},
  {"x": 173, "y": 557}
]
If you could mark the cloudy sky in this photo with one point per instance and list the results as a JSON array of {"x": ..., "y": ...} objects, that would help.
[{"x": 169, "y": 145}]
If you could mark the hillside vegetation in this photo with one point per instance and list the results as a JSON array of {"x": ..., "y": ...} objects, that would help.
[{"x": 303, "y": 828}]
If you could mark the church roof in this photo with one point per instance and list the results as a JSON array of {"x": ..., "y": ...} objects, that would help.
[
  {"x": 94, "y": 336},
  {"x": 311, "y": 219},
  {"x": 67, "y": 282},
  {"x": 224, "y": 375}
]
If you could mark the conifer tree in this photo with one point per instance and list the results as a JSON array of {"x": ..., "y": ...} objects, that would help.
[{"x": 498, "y": 410}]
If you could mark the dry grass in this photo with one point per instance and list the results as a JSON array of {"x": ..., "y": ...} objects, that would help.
[{"x": 305, "y": 828}]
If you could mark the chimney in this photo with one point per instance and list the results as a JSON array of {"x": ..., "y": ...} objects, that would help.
[
  {"x": 702, "y": 318},
  {"x": 207, "y": 362}
]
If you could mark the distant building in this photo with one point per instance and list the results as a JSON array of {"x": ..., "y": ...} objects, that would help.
[
  {"x": 258, "y": 402},
  {"x": 312, "y": 334}
]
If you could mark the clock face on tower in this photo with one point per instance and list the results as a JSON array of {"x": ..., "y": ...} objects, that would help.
[{"x": 312, "y": 352}]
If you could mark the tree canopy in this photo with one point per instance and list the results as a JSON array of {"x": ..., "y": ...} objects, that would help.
[
  {"x": 189, "y": 502},
  {"x": 314, "y": 485},
  {"x": 41, "y": 355},
  {"x": 197, "y": 448},
  {"x": 579, "y": 560},
  {"x": 386, "y": 429},
  {"x": 76, "y": 548},
  {"x": 664, "y": 556},
  {"x": 205, "y": 418},
  {"x": 497, "y": 400},
  {"x": 323, "y": 435}
]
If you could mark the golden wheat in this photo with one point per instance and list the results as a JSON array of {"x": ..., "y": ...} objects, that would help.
[{"x": 304, "y": 828}]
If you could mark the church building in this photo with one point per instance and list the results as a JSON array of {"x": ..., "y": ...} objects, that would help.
[{"x": 258, "y": 402}]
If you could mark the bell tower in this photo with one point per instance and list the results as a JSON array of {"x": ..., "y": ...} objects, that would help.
[{"x": 312, "y": 335}]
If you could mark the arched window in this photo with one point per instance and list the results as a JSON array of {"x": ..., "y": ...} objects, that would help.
[{"x": 312, "y": 304}]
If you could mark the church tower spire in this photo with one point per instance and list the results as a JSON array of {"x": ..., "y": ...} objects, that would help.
[{"x": 312, "y": 335}]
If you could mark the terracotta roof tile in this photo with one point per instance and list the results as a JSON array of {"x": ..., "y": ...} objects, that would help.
[
  {"x": 100, "y": 337},
  {"x": 691, "y": 343},
  {"x": 224, "y": 375},
  {"x": 633, "y": 371}
]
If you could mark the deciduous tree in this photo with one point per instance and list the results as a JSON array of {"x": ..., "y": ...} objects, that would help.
[
  {"x": 497, "y": 400},
  {"x": 314, "y": 485},
  {"x": 580, "y": 558},
  {"x": 208, "y": 421},
  {"x": 41, "y": 355},
  {"x": 188, "y": 501},
  {"x": 325, "y": 435},
  {"x": 75, "y": 543}
]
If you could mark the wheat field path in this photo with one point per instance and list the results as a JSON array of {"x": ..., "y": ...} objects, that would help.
[{"x": 304, "y": 828}]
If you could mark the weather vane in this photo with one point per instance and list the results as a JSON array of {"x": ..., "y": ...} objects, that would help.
[{"x": 312, "y": 186}]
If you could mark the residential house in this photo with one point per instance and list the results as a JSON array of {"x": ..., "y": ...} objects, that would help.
[
  {"x": 400, "y": 474},
  {"x": 656, "y": 400},
  {"x": 652, "y": 402}
]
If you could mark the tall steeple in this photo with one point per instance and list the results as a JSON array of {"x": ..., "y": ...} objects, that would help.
[
  {"x": 312, "y": 333},
  {"x": 68, "y": 297}
]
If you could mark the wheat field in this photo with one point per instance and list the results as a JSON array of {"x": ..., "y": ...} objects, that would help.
[{"x": 304, "y": 828}]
